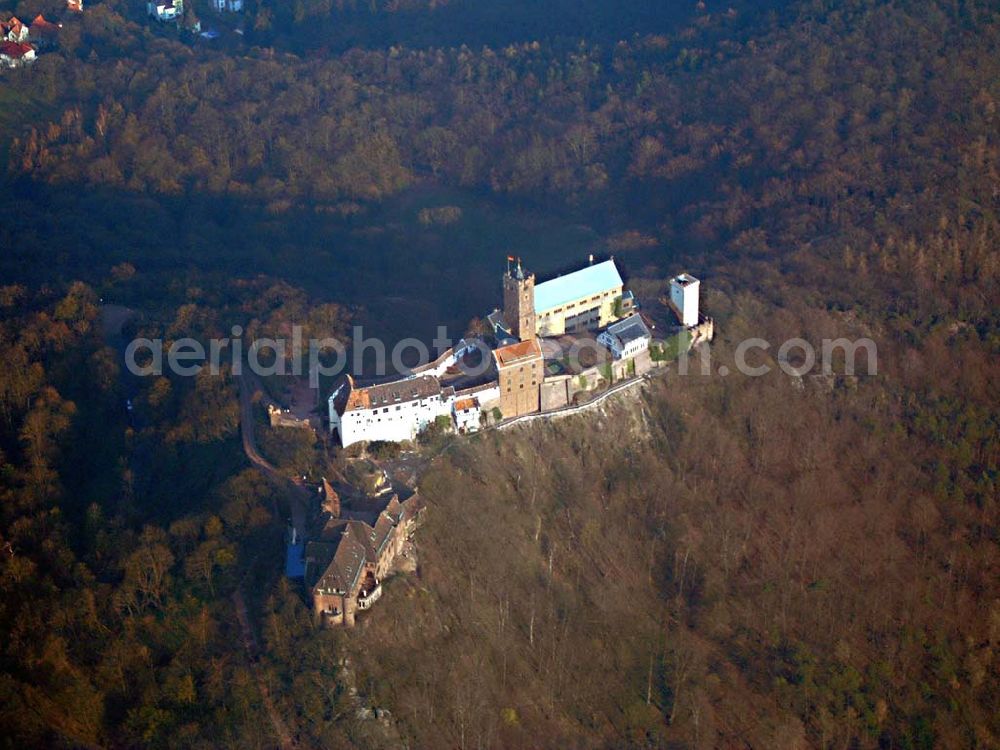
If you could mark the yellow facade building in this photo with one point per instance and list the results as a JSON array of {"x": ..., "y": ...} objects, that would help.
[{"x": 584, "y": 300}]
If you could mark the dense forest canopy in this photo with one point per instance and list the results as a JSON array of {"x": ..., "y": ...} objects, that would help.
[
  {"x": 762, "y": 561},
  {"x": 840, "y": 128}
]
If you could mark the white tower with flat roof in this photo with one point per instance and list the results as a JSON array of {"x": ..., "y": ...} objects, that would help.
[{"x": 684, "y": 296}]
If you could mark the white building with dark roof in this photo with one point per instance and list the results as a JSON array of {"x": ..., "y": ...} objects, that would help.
[
  {"x": 392, "y": 412},
  {"x": 627, "y": 338},
  {"x": 166, "y": 10},
  {"x": 12, "y": 30}
]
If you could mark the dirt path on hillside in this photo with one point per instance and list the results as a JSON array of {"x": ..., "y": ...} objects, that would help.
[
  {"x": 299, "y": 497},
  {"x": 285, "y": 739}
]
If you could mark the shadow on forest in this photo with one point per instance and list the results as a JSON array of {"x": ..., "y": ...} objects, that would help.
[{"x": 401, "y": 277}]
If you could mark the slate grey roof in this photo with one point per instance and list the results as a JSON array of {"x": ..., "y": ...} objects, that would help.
[
  {"x": 629, "y": 329},
  {"x": 398, "y": 391},
  {"x": 344, "y": 570},
  {"x": 338, "y": 560}
]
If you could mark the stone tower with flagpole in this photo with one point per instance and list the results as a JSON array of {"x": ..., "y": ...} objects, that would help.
[{"x": 519, "y": 300}]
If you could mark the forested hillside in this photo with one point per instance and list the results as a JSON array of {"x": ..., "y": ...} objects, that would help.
[
  {"x": 124, "y": 531},
  {"x": 717, "y": 566},
  {"x": 725, "y": 562}
]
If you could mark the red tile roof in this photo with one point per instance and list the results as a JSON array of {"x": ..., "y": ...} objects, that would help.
[
  {"x": 514, "y": 353},
  {"x": 398, "y": 391},
  {"x": 15, "y": 49},
  {"x": 466, "y": 403},
  {"x": 43, "y": 27}
]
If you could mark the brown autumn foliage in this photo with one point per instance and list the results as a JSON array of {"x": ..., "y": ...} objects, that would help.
[
  {"x": 728, "y": 561},
  {"x": 718, "y": 562}
]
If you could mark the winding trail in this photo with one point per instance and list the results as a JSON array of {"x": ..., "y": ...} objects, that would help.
[{"x": 299, "y": 498}]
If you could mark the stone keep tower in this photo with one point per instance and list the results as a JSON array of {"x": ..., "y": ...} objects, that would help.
[{"x": 519, "y": 301}]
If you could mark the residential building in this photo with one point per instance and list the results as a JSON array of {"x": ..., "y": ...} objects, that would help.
[
  {"x": 76, "y": 6},
  {"x": 628, "y": 303},
  {"x": 12, "y": 30},
  {"x": 467, "y": 414},
  {"x": 450, "y": 360},
  {"x": 16, "y": 54},
  {"x": 626, "y": 338},
  {"x": 278, "y": 417},
  {"x": 393, "y": 412},
  {"x": 487, "y": 394},
  {"x": 331, "y": 500},
  {"x": 166, "y": 10},
  {"x": 684, "y": 298},
  {"x": 44, "y": 33},
  {"x": 228, "y": 6},
  {"x": 520, "y": 371},
  {"x": 497, "y": 322}
]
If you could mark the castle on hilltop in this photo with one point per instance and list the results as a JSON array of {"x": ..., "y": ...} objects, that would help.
[
  {"x": 523, "y": 376},
  {"x": 532, "y": 364}
]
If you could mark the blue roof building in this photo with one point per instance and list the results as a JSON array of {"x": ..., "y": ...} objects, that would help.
[
  {"x": 295, "y": 564},
  {"x": 580, "y": 284},
  {"x": 579, "y": 301}
]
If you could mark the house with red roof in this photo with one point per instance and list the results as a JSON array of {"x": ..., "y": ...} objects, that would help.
[
  {"x": 44, "y": 33},
  {"x": 520, "y": 371},
  {"x": 12, "y": 30},
  {"x": 16, "y": 54},
  {"x": 467, "y": 414}
]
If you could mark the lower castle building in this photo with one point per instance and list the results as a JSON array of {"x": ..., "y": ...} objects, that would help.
[{"x": 344, "y": 568}]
